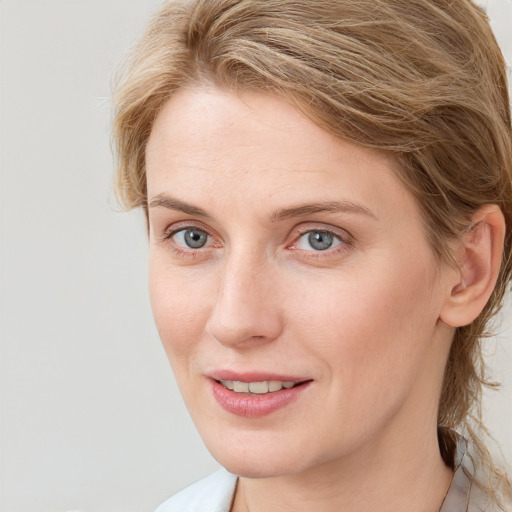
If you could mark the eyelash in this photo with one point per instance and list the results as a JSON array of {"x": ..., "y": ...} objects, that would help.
[
  {"x": 180, "y": 250},
  {"x": 346, "y": 241}
]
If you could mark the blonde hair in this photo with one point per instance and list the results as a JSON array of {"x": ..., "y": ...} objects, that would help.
[{"x": 424, "y": 79}]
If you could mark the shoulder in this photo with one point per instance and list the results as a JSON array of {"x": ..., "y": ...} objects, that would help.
[{"x": 211, "y": 494}]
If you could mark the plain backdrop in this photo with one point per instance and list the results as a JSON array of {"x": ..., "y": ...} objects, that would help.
[{"x": 91, "y": 419}]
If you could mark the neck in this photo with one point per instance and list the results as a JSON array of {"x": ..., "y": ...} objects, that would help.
[{"x": 395, "y": 476}]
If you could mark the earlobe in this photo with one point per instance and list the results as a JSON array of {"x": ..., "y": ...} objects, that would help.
[{"x": 481, "y": 252}]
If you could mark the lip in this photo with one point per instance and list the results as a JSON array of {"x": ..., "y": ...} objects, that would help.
[
  {"x": 255, "y": 406},
  {"x": 254, "y": 376}
]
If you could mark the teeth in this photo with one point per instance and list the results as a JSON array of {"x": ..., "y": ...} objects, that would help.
[
  {"x": 240, "y": 387},
  {"x": 274, "y": 385},
  {"x": 257, "y": 388}
]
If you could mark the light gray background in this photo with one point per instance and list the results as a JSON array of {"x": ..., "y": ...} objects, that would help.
[{"x": 91, "y": 419}]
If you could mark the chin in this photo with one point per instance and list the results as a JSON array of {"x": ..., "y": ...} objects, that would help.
[
  {"x": 255, "y": 467},
  {"x": 259, "y": 457}
]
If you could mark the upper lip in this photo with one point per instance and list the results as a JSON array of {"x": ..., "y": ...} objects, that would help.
[{"x": 254, "y": 376}]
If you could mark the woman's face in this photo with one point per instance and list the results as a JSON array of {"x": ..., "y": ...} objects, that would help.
[{"x": 279, "y": 254}]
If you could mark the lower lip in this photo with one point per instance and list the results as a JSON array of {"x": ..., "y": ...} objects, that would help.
[{"x": 255, "y": 406}]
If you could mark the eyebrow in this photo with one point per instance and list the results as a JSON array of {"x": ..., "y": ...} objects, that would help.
[
  {"x": 171, "y": 203},
  {"x": 327, "y": 206}
]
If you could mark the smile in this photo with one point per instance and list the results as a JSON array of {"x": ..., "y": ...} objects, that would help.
[
  {"x": 257, "y": 388},
  {"x": 257, "y": 398}
]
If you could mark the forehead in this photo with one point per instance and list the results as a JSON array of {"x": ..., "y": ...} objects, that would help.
[
  {"x": 209, "y": 145},
  {"x": 197, "y": 121}
]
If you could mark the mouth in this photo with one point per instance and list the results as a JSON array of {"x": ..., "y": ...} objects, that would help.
[
  {"x": 259, "y": 387},
  {"x": 256, "y": 395}
]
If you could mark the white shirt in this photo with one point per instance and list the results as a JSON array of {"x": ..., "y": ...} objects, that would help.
[{"x": 211, "y": 494}]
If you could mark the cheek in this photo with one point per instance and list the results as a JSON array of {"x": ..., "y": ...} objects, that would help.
[
  {"x": 179, "y": 310},
  {"x": 368, "y": 326}
]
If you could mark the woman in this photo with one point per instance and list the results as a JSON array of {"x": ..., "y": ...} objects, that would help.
[{"x": 329, "y": 201}]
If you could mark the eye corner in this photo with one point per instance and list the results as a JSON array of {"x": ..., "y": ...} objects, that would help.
[{"x": 329, "y": 241}]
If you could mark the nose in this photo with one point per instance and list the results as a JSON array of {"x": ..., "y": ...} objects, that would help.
[{"x": 246, "y": 311}]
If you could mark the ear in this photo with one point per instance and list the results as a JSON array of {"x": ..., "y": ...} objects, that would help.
[{"x": 481, "y": 250}]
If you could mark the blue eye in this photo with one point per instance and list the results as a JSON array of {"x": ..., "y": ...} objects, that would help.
[
  {"x": 318, "y": 241},
  {"x": 192, "y": 238}
]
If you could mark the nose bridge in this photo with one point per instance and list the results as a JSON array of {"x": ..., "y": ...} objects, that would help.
[{"x": 244, "y": 310}]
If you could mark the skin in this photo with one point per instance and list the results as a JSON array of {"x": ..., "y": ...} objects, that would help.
[{"x": 361, "y": 319}]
